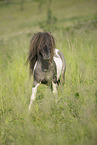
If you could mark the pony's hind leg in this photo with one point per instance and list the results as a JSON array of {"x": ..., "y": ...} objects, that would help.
[
  {"x": 34, "y": 90},
  {"x": 54, "y": 87}
]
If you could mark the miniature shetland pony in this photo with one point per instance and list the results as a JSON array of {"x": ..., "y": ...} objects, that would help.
[{"x": 47, "y": 64}]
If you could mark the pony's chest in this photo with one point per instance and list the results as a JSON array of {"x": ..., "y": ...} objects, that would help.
[
  {"x": 48, "y": 76},
  {"x": 43, "y": 75}
]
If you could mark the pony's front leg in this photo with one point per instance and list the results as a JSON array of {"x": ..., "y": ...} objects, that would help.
[
  {"x": 34, "y": 90},
  {"x": 54, "y": 86}
]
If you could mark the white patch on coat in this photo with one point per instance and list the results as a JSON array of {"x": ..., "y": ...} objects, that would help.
[
  {"x": 35, "y": 66},
  {"x": 58, "y": 63}
]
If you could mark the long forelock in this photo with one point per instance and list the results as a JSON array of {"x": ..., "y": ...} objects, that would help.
[
  {"x": 39, "y": 41},
  {"x": 46, "y": 39}
]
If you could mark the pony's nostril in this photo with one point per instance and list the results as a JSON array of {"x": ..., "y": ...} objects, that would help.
[{"x": 46, "y": 57}]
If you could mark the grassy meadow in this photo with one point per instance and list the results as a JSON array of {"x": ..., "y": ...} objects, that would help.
[{"x": 70, "y": 117}]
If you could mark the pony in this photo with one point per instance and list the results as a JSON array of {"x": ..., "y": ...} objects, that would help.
[{"x": 46, "y": 63}]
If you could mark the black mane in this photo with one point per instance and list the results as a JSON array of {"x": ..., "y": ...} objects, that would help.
[{"x": 39, "y": 41}]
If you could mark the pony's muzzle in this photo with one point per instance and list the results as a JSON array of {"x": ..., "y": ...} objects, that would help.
[{"x": 46, "y": 57}]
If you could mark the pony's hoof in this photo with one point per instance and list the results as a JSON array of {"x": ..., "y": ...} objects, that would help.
[{"x": 29, "y": 108}]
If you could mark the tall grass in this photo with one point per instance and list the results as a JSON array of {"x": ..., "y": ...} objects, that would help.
[{"x": 68, "y": 118}]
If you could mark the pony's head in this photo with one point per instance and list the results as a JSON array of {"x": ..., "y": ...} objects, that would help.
[{"x": 42, "y": 47}]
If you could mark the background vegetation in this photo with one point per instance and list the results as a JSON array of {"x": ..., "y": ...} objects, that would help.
[{"x": 69, "y": 118}]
